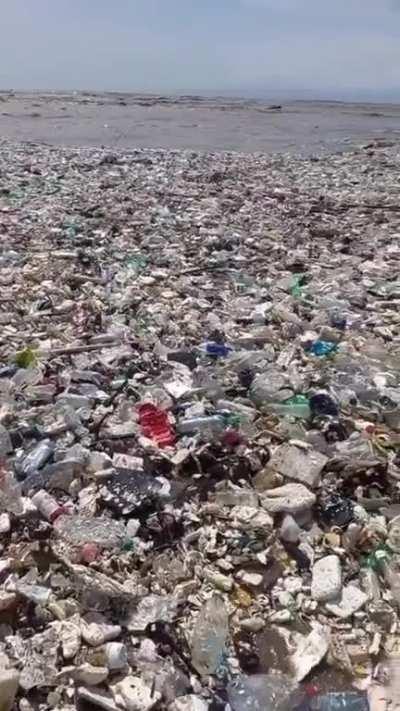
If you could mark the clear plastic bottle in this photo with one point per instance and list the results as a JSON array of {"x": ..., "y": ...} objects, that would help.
[
  {"x": 244, "y": 411},
  {"x": 209, "y": 636},
  {"x": 37, "y": 457},
  {"x": 297, "y": 406},
  {"x": 340, "y": 701},
  {"x": 213, "y": 423},
  {"x": 261, "y": 692}
]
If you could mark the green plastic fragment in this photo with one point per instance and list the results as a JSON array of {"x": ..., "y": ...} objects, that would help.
[
  {"x": 25, "y": 358},
  {"x": 377, "y": 559}
]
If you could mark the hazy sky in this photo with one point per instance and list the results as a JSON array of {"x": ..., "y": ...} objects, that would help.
[{"x": 328, "y": 46}]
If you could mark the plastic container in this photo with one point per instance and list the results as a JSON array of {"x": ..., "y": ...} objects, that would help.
[
  {"x": 37, "y": 458},
  {"x": 209, "y": 636},
  {"x": 113, "y": 655},
  {"x": 297, "y": 406},
  {"x": 213, "y": 423},
  {"x": 48, "y": 506}
]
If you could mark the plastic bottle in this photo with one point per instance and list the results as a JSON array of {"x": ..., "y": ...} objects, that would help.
[
  {"x": 112, "y": 655},
  {"x": 237, "y": 408},
  {"x": 261, "y": 692},
  {"x": 155, "y": 425},
  {"x": 297, "y": 406},
  {"x": 340, "y": 701},
  {"x": 36, "y": 458},
  {"x": 209, "y": 636},
  {"x": 47, "y": 506},
  {"x": 378, "y": 558},
  {"x": 213, "y": 423},
  {"x": 296, "y": 288}
]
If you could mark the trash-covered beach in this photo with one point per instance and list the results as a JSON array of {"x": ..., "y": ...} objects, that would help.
[{"x": 199, "y": 430}]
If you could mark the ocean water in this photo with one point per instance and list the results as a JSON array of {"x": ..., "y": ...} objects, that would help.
[{"x": 129, "y": 121}]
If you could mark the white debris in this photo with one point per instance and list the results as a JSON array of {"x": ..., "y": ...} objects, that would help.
[
  {"x": 134, "y": 694},
  {"x": 352, "y": 599},
  {"x": 188, "y": 703},
  {"x": 70, "y": 637},
  {"x": 304, "y": 465},
  {"x": 326, "y": 579},
  {"x": 310, "y": 651},
  {"x": 290, "y": 498},
  {"x": 102, "y": 699}
]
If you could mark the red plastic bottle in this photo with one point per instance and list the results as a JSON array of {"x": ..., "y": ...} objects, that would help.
[{"x": 155, "y": 425}]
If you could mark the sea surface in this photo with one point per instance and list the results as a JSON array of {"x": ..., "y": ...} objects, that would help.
[{"x": 129, "y": 121}]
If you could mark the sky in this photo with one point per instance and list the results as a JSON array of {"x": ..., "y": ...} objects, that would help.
[{"x": 326, "y": 48}]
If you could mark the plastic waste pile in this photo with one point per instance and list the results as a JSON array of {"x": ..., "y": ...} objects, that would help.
[{"x": 199, "y": 431}]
